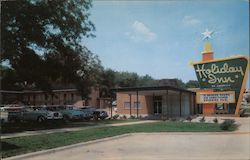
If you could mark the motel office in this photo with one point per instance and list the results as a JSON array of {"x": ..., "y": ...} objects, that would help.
[{"x": 159, "y": 100}]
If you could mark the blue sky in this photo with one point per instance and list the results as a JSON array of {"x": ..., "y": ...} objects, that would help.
[{"x": 160, "y": 38}]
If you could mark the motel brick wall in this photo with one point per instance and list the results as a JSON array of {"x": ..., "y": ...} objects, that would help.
[{"x": 145, "y": 102}]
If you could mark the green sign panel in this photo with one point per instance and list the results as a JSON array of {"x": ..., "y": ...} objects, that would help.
[{"x": 222, "y": 75}]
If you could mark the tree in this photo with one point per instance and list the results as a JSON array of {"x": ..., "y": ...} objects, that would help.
[
  {"x": 107, "y": 83},
  {"x": 180, "y": 83},
  {"x": 146, "y": 81},
  {"x": 126, "y": 79},
  {"x": 89, "y": 74},
  {"x": 41, "y": 40},
  {"x": 192, "y": 84}
]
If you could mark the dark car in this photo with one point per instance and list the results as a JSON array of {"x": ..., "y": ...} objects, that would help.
[
  {"x": 95, "y": 113},
  {"x": 102, "y": 114},
  {"x": 69, "y": 112}
]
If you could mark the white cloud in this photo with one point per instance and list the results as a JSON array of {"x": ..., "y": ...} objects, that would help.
[
  {"x": 190, "y": 21},
  {"x": 140, "y": 32}
]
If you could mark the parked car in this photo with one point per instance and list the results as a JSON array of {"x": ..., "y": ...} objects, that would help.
[
  {"x": 14, "y": 113},
  {"x": 70, "y": 113},
  {"x": 51, "y": 114},
  {"x": 96, "y": 113},
  {"x": 102, "y": 114},
  {"x": 38, "y": 114},
  {"x": 4, "y": 116}
]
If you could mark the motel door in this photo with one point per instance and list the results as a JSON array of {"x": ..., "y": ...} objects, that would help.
[{"x": 157, "y": 105}]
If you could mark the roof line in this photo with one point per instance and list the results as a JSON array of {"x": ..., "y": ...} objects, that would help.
[{"x": 125, "y": 89}]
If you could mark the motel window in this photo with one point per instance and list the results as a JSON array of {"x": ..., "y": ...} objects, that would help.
[
  {"x": 127, "y": 105},
  {"x": 139, "y": 105},
  {"x": 64, "y": 96},
  {"x": 72, "y": 96}
]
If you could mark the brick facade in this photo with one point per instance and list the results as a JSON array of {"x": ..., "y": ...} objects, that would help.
[
  {"x": 55, "y": 97},
  {"x": 145, "y": 103}
]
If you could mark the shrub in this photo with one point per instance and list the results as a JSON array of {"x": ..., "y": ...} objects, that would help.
[
  {"x": 132, "y": 117},
  {"x": 242, "y": 112},
  {"x": 124, "y": 117},
  {"x": 116, "y": 116},
  {"x": 173, "y": 119},
  {"x": 202, "y": 119},
  {"x": 215, "y": 120},
  {"x": 189, "y": 118},
  {"x": 247, "y": 98},
  {"x": 164, "y": 118},
  {"x": 228, "y": 124}
]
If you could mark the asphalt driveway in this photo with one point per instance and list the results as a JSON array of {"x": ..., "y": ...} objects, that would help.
[{"x": 159, "y": 146}]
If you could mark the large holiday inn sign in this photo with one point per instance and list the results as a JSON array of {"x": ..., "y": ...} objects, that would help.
[
  {"x": 221, "y": 74},
  {"x": 228, "y": 74}
]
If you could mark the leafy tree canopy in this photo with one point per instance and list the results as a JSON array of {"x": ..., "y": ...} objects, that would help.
[
  {"x": 192, "y": 84},
  {"x": 41, "y": 41}
]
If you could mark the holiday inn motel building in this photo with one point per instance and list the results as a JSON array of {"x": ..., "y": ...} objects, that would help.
[
  {"x": 219, "y": 93},
  {"x": 166, "y": 101}
]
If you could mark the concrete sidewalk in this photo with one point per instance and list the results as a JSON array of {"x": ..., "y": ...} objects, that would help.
[{"x": 61, "y": 130}]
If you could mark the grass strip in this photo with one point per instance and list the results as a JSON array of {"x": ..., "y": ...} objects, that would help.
[
  {"x": 19, "y": 127},
  {"x": 22, "y": 145}
]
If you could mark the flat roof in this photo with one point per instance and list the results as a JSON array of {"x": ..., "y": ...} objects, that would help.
[
  {"x": 37, "y": 91},
  {"x": 150, "y": 88}
]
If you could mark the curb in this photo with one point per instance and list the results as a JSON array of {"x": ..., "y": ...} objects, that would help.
[{"x": 38, "y": 153}]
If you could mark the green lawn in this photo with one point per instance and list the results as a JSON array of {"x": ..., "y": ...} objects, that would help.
[
  {"x": 21, "y": 145},
  {"x": 19, "y": 127}
]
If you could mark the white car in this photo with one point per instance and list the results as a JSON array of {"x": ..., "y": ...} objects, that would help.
[{"x": 52, "y": 115}]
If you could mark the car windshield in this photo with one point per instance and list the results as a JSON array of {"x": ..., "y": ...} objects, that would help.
[
  {"x": 70, "y": 108},
  {"x": 61, "y": 107},
  {"x": 37, "y": 108},
  {"x": 88, "y": 109}
]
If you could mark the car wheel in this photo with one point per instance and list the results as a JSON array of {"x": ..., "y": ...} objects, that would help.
[
  {"x": 95, "y": 117},
  {"x": 102, "y": 118},
  {"x": 41, "y": 119}
]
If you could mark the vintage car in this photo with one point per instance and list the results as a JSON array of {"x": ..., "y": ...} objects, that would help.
[
  {"x": 39, "y": 114},
  {"x": 14, "y": 113},
  {"x": 51, "y": 115},
  {"x": 95, "y": 113},
  {"x": 69, "y": 112}
]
